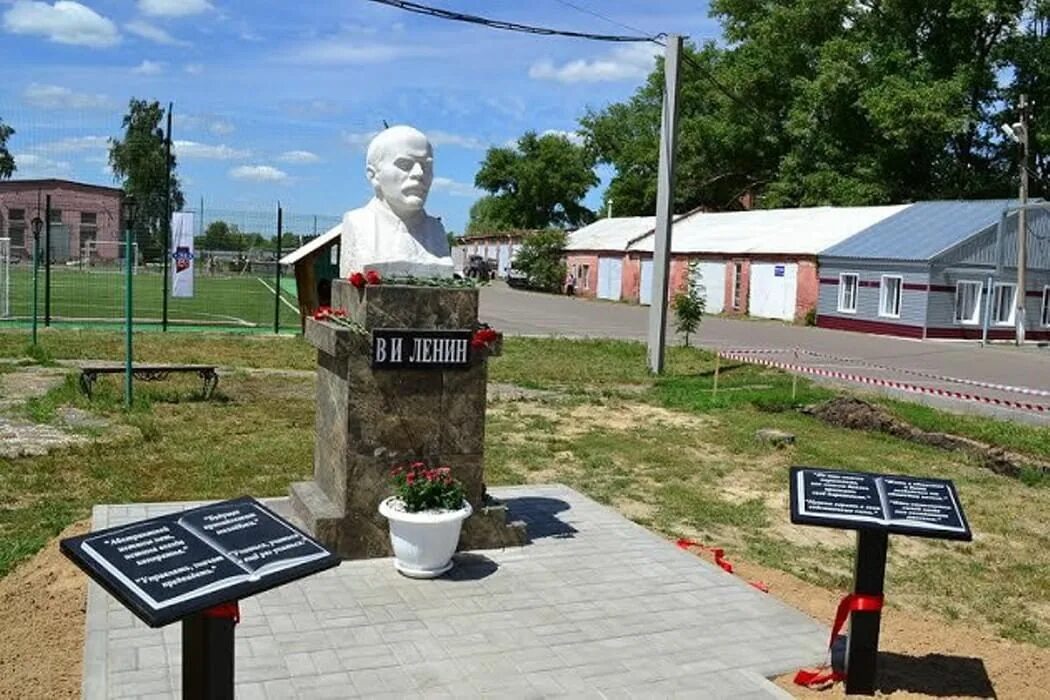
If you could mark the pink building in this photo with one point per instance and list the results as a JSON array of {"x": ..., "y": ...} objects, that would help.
[
  {"x": 597, "y": 256},
  {"x": 84, "y": 217},
  {"x": 760, "y": 263}
]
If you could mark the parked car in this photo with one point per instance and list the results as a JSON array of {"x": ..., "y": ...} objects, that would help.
[{"x": 518, "y": 279}]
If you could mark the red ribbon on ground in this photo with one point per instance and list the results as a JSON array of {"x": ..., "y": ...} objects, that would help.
[
  {"x": 720, "y": 560},
  {"x": 227, "y": 611},
  {"x": 854, "y": 602}
]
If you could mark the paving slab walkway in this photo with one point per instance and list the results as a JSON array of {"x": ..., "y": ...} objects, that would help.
[{"x": 596, "y": 606}]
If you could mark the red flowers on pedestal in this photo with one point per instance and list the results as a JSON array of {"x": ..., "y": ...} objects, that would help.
[
  {"x": 324, "y": 312},
  {"x": 484, "y": 338},
  {"x": 359, "y": 279}
]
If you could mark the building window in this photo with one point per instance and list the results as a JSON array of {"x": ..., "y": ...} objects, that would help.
[
  {"x": 890, "y": 296},
  {"x": 16, "y": 227},
  {"x": 583, "y": 276},
  {"x": 1046, "y": 305},
  {"x": 88, "y": 227},
  {"x": 56, "y": 216},
  {"x": 848, "y": 282},
  {"x": 968, "y": 302},
  {"x": 738, "y": 284},
  {"x": 1003, "y": 301}
]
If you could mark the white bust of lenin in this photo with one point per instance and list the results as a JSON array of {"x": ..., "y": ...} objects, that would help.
[{"x": 393, "y": 234}]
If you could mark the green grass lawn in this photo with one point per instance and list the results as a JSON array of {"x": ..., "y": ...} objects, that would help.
[
  {"x": 670, "y": 453},
  {"x": 98, "y": 295}
]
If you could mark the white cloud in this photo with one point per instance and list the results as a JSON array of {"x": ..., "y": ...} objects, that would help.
[
  {"x": 58, "y": 97},
  {"x": 221, "y": 127},
  {"x": 202, "y": 122},
  {"x": 299, "y": 157},
  {"x": 33, "y": 165},
  {"x": 194, "y": 68},
  {"x": 203, "y": 151},
  {"x": 574, "y": 137},
  {"x": 360, "y": 139},
  {"x": 454, "y": 188},
  {"x": 258, "y": 173},
  {"x": 173, "y": 8},
  {"x": 444, "y": 138},
  {"x": 153, "y": 33},
  {"x": 348, "y": 51},
  {"x": 65, "y": 22},
  {"x": 148, "y": 68},
  {"x": 624, "y": 63},
  {"x": 75, "y": 144}
]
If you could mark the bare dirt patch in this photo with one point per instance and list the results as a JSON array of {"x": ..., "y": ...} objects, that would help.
[
  {"x": 42, "y": 604},
  {"x": 921, "y": 655}
]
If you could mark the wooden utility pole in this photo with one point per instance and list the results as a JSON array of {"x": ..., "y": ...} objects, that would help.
[
  {"x": 1022, "y": 228},
  {"x": 664, "y": 205}
]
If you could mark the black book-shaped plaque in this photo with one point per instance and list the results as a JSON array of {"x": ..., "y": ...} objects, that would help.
[
  {"x": 167, "y": 568},
  {"x": 904, "y": 505}
]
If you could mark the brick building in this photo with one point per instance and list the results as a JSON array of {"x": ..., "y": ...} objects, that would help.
[{"x": 80, "y": 213}]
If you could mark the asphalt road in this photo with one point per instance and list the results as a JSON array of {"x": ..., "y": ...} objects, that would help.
[{"x": 996, "y": 373}]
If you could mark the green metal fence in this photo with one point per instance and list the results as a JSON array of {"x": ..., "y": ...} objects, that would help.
[{"x": 237, "y": 283}]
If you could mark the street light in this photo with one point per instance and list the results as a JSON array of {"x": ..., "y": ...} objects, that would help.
[
  {"x": 129, "y": 210},
  {"x": 37, "y": 225}
]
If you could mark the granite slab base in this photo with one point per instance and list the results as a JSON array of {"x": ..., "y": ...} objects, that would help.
[{"x": 594, "y": 606}]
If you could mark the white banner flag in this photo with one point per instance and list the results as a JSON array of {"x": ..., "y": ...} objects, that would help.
[{"x": 182, "y": 254}]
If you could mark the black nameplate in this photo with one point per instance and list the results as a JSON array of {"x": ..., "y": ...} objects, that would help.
[
  {"x": 420, "y": 349},
  {"x": 905, "y": 505},
  {"x": 167, "y": 568}
]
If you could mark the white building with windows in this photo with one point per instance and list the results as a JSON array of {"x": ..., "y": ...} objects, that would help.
[{"x": 938, "y": 270}]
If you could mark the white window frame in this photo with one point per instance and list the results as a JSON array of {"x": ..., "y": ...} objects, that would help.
[
  {"x": 583, "y": 272},
  {"x": 883, "y": 289},
  {"x": 842, "y": 308},
  {"x": 974, "y": 320},
  {"x": 1045, "y": 315},
  {"x": 1013, "y": 303}
]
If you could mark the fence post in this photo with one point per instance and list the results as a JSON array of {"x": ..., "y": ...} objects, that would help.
[
  {"x": 47, "y": 262},
  {"x": 718, "y": 365},
  {"x": 794, "y": 379},
  {"x": 167, "y": 221},
  {"x": 277, "y": 277}
]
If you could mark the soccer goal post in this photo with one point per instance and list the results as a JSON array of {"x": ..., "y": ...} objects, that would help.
[{"x": 5, "y": 277}]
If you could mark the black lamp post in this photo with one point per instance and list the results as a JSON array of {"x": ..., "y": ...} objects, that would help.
[
  {"x": 37, "y": 225},
  {"x": 129, "y": 210}
]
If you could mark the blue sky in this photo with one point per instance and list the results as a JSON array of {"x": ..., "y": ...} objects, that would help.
[{"x": 275, "y": 100}]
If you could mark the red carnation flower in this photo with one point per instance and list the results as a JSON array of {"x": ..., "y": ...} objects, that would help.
[
  {"x": 358, "y": 280},
  {"x": 372, "y": 277},
  {"x": 483, "y": 338},
  {"x": 322, "y": 312}
]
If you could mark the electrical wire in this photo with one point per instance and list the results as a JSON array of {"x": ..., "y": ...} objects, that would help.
[
  {"x": 592, "y": 13},
  {"x": 509, "y": 26}
]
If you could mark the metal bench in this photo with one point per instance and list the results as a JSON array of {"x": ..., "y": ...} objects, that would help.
[{"x": 150, "y": 373}]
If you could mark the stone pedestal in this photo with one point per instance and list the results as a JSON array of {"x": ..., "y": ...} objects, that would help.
[{"x": 371, "y": 420}]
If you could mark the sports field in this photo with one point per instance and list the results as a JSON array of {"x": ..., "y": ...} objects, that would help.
[{"x": 97, "y": 296}]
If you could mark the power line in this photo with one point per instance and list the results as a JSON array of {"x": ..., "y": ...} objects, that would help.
[
  {"x": 602, "y": 17},
  {"x": 508, "y": 26}
]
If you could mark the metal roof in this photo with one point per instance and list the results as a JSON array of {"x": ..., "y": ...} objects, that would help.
[
  {"x": 806, "y": 231},
  {"x": 614, "y": 233},
  {"x": 922, "y": 231}
]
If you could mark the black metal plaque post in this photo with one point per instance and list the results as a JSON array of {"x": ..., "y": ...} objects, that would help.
[
  {"x": 862, "y": 646},
  {"x": 207, "y": 654}
]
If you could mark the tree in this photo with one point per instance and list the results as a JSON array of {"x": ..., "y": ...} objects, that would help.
[
  {"x": 7, "y": 162},
  {"x": 806, "y": 102},
  {"x": 540, "y": 258},
  {"x": 220, "y": 235},
  {"x": 139, "y": 161},
  {"x": 539, "y": 183},
  {"x": 689, "y": 304}
]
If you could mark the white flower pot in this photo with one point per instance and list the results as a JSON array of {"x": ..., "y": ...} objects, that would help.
[{"x": 423, "y": 542}]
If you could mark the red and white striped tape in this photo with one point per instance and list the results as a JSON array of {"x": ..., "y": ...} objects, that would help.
[
  {"x": 888, "y": 383},
  {"x": 1024, "y": 390}
]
